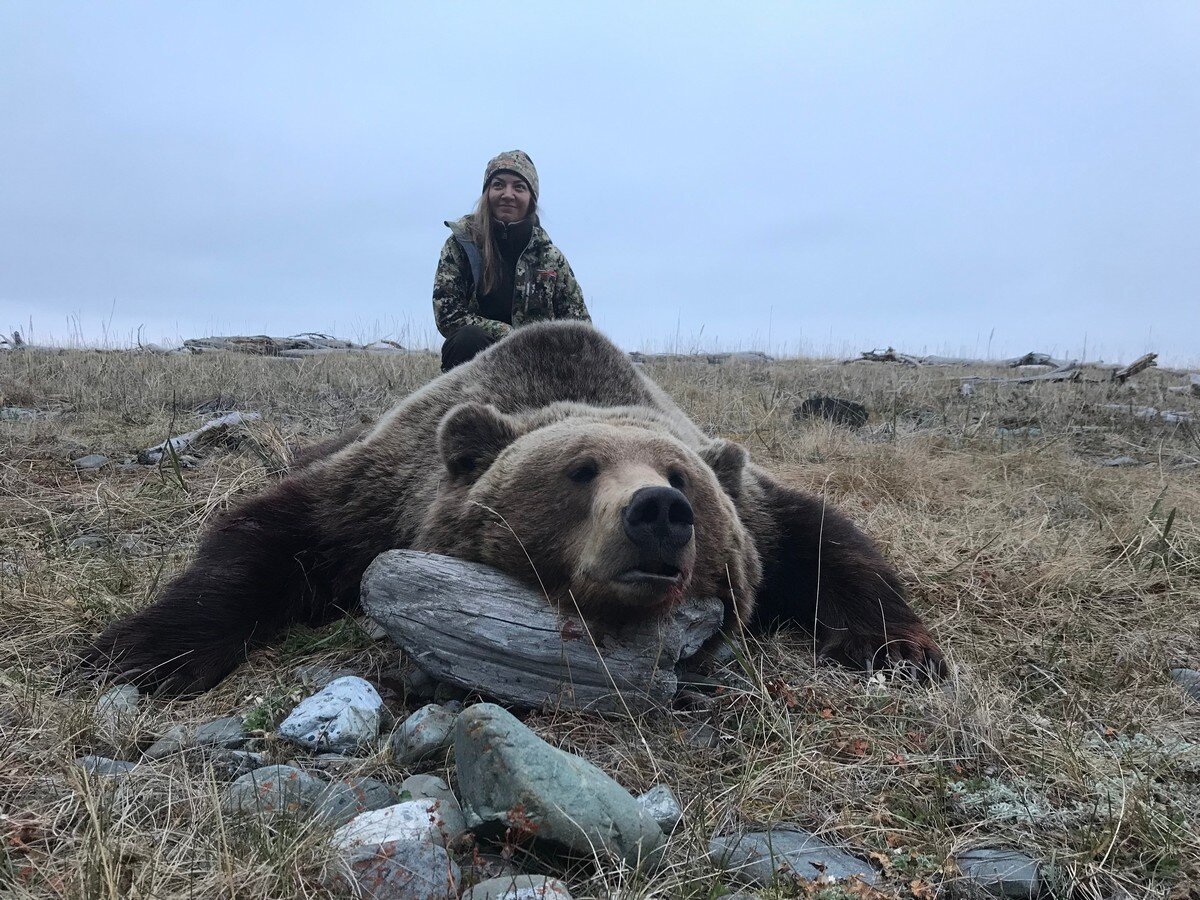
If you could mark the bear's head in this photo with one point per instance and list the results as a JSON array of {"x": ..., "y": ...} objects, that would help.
[{"x": 604, "y": 509}]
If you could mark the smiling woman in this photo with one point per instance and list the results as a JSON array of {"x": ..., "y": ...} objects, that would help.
[{"x": 498, "y": 270}]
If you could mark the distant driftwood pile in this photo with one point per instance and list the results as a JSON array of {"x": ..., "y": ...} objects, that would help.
[
  {"x": 297, "y": 346},
  {"x": 1060, "y": 369}
]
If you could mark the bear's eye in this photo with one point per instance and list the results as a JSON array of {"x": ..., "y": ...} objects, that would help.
[
  {"x": 677, "y": 480},
  {"x": 582, "y": 473}
]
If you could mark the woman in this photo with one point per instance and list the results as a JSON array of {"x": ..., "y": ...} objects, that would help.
[{"x": 498, "y": 269}]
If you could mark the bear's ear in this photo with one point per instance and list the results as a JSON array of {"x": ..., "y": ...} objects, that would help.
[
  {"x": 728, "y": 461},
  {"x": 470, "y": 438}
]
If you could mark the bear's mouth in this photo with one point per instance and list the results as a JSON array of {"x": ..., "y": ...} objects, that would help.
[{"x": 659, "y": 573}]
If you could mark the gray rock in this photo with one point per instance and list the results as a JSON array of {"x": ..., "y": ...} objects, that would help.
[
  {"x": 273, "y": 790},
  {"x": 19, "y": 414},
  {"x": 89, "y": 542},
  {"x": 1001, "y": 873},
  {"x": 235, "y": 763},
  {"x": 784, "y": 853},
  {"x": 91, "y": 461},
  {"x": 116, "y": 712},
  {"x": 173, "y": 741},
  {"x": 418, "y": 684},
  {"x": 228, "y": 733},
  {"x": 316, "y": 676},
  {"x": 1118, "y": 461},
  {"x": 519, "y": 887},
  {"x": 661, "y": 804},
  {"x": 343, "y": 716},
  {"x": 1189, "y": 680},
  {"x": 511, "y": 778},
  {"x": 343, "y": 800},
  {"x": 428, "y": 787},
  {"x": 703, "y": 737},
  {"x": 429, "y": 730},
  {"x": 482, "y": 866},
  {"x": 430, "y": 821},
  {"x": 103, "y": 766},
  {"x": 399, "y": 870}
]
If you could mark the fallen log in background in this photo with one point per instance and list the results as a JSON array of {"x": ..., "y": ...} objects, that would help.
[
  {"x": 891, "y": 355},
  {"x": 264, "y": 345},
  {"x": 1064, "y": 370},
  {"x": 472, "y": 626},
  {"x": 205, "y": 435}
]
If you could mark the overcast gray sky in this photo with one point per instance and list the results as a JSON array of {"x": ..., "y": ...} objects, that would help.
[{"x": 799, "y": 177}]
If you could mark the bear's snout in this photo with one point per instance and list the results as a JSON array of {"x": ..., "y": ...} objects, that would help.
[{"x": 658, "y": 518}]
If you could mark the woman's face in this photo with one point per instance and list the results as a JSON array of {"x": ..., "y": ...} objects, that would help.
[{"x": 508, "y": 197}]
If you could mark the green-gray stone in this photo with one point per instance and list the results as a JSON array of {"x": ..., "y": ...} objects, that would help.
[{"x": 510, "y": 778}]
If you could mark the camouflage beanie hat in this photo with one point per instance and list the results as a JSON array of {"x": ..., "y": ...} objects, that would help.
[{"x": 517, "y": 162}]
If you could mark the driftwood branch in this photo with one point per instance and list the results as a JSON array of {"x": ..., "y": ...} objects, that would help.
[
  {"x": 1151, "y": 414},
  {"x": 472, "y": 626},
  {"x": 1066, "y": 372},
  {"x": 263, "y": 345},
  {"x": 205, "y": 435},
  {"x": 891, "y": 355},
  {"x": 1142, "y": 362}
]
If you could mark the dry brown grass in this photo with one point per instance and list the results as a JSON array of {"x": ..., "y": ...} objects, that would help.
[{"x": 1061, "y": 590}]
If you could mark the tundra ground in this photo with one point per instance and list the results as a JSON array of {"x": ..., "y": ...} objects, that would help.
[{"x": 1062, "y": 590}]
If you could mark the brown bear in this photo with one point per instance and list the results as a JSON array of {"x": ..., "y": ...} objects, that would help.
[{"x": 549, "y": 456}]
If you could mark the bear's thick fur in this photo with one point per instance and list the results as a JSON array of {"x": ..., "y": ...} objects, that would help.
[{"x": 552, "y": 457}]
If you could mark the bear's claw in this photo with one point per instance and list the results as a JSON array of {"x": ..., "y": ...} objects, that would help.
[{"x": 914, "y": 649}]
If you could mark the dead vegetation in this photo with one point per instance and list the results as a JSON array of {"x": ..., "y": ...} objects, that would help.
[{"x": 1062, "y": 589}]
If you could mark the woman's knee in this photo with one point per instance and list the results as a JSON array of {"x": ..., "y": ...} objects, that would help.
[{"x": 463, "y": 346}]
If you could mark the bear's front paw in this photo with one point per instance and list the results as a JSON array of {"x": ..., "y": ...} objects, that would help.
[
  {"x": 151, "y": 661},
  {"x": 911, "y": 647}
]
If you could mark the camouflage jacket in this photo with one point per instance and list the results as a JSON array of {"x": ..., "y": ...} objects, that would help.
[{"x": 544, "y": 285}]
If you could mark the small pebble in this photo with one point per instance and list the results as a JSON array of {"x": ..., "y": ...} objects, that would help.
[
  {"x": 91, "y": 461},
  {"x": 399, "y": 870},
  {"x": 428, "y": 787},
  {"x": 1002, "y": 873},
  {"x": 103, "y": 766},
  {"x": 235, "y": 763},
  {"x": 273, "y": 790},
  {"x": 519, "y": 887},
  {"x": 427, "y": 731},
  {"x": 343, "y": 800},
  {"x": 173, "y": 741},
  {"x": 1189, "y": 680},
  {"x": 1120, "y": 461},
  {"x": 228, "y": 733},
  {"x": 660, "y": 804},
  {"x": 429, "y": 821}
]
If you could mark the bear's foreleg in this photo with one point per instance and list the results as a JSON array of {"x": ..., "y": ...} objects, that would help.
[
  {"x": 256, "y": 571},
  {"x": 822, "y": 573}
]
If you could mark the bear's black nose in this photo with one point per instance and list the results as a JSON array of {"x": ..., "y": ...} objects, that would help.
[{"x": 659, "y": 517}]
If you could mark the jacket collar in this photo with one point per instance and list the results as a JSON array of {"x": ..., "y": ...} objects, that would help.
[{"x": 460, "y": 228}]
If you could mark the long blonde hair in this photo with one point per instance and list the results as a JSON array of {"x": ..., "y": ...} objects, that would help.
[{"x": 481, "y": 232}]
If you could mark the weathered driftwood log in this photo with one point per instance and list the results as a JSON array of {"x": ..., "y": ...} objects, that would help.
[
  {"x": 263, "y": 345},
  {"x": 1016, "y": 362},
  {"x": 472, "y": 626},
  {"x": 1192, "y": 387},
  {"x": 205, "y": 435},
  {"x": 1150, "y": 413},
  {"x": 1066, "y": 372},
  {"x": 1142, "y": 362},
  {"x": 376, "y": 349}
]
